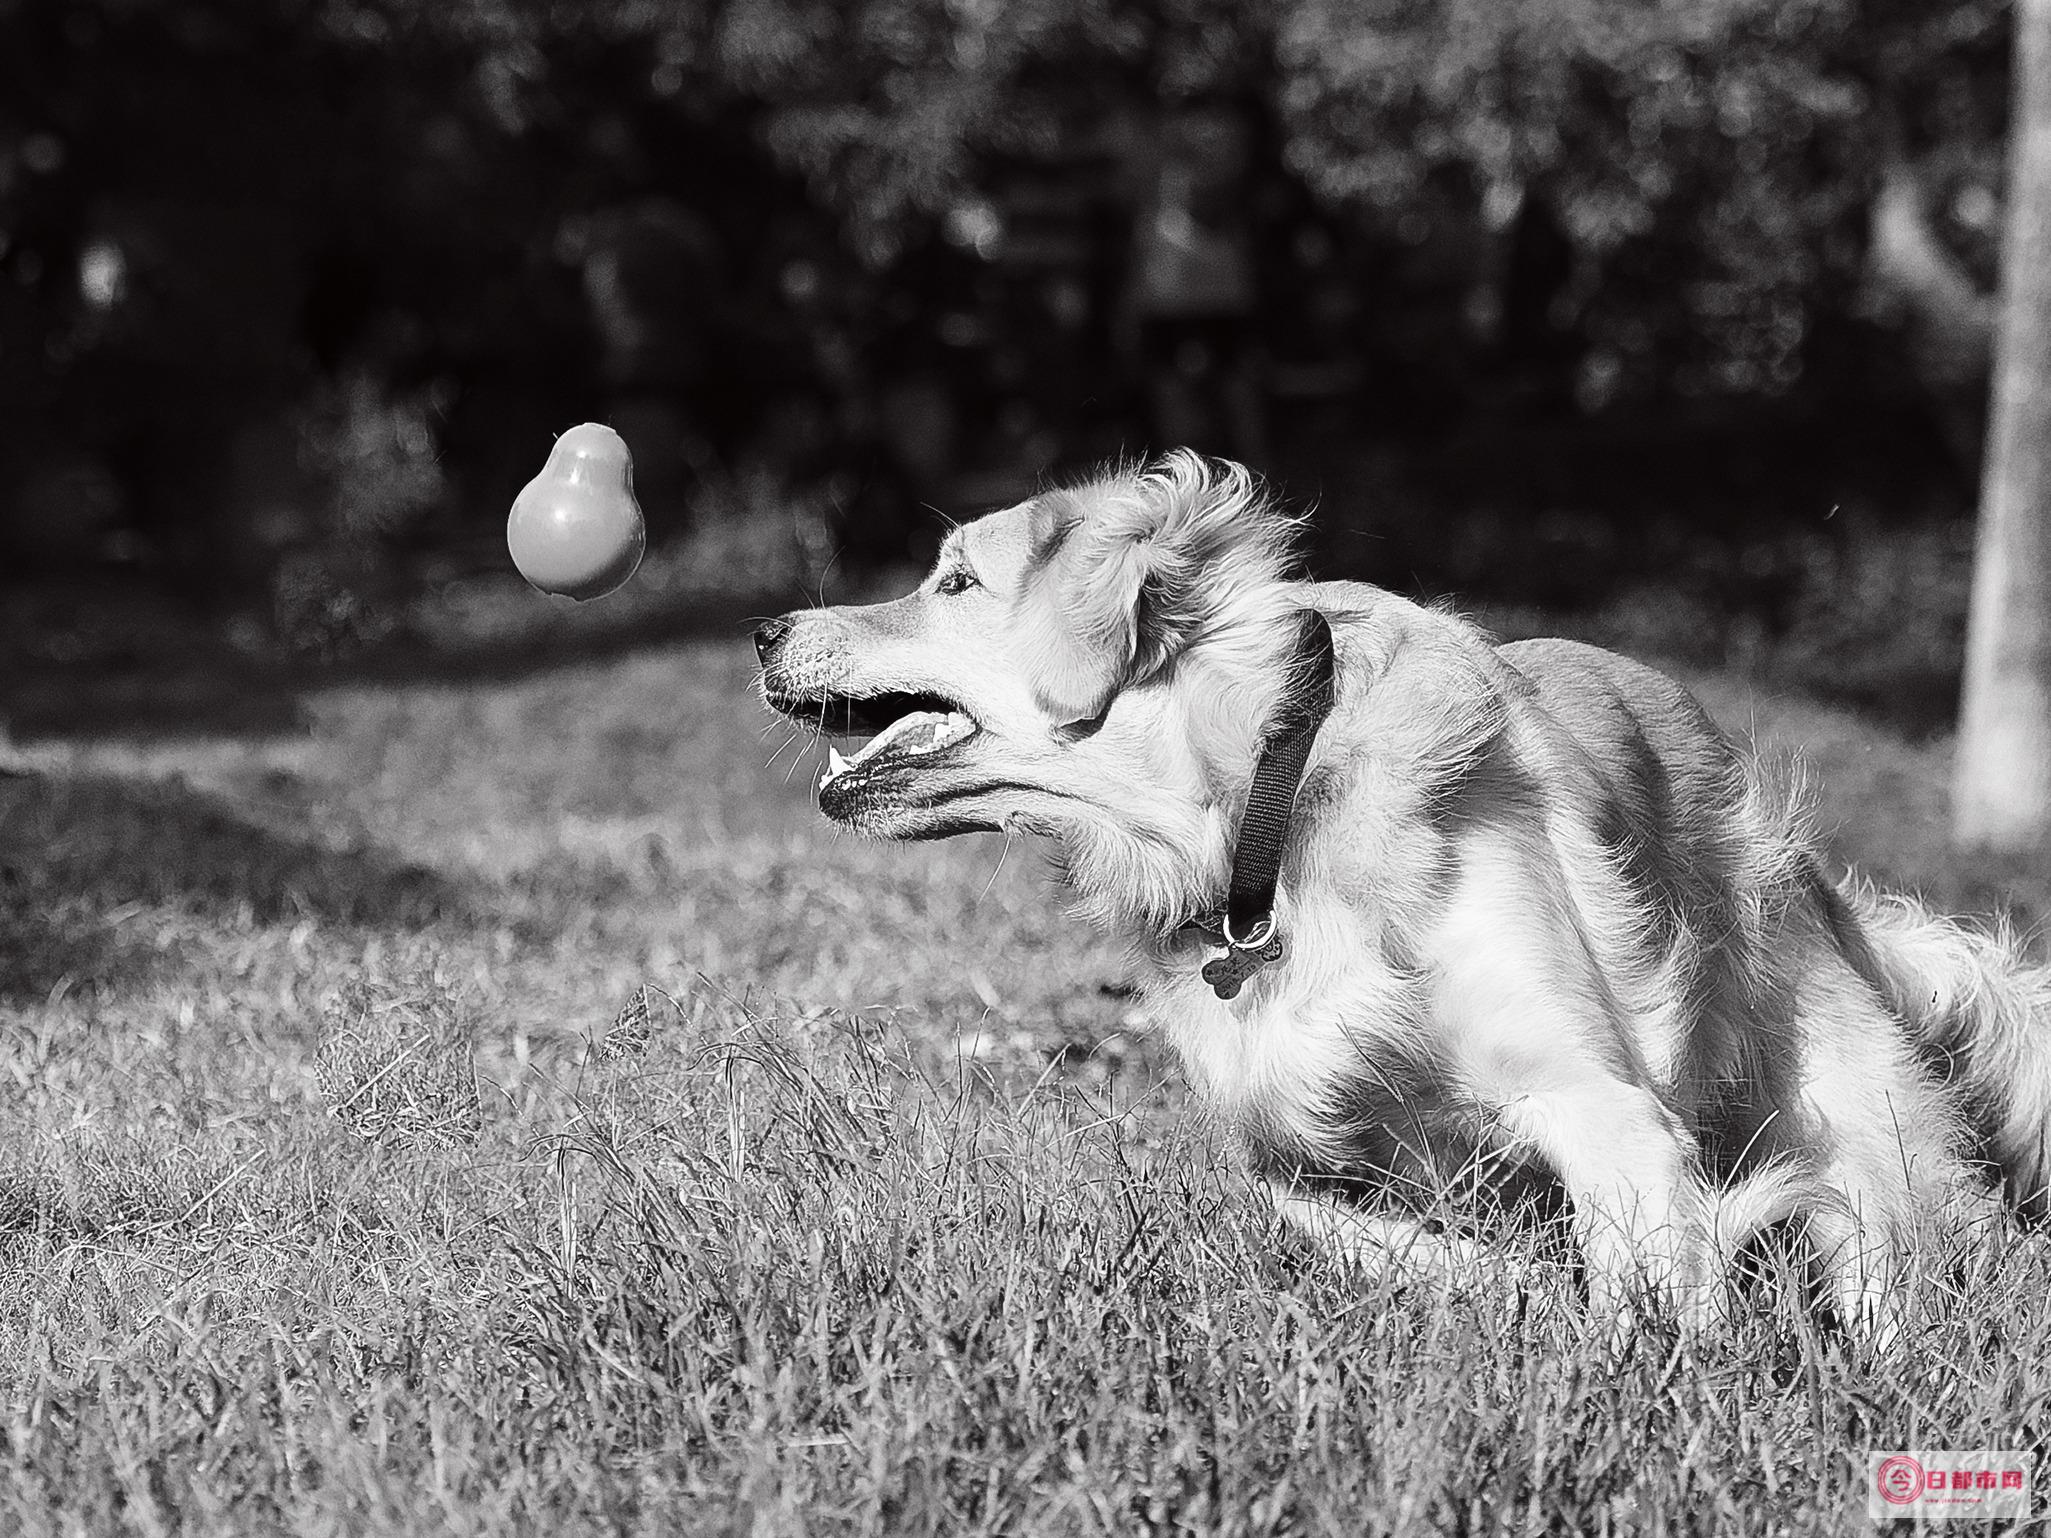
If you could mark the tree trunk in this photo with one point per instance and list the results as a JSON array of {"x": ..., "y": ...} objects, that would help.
[{"x": 2001, "y": 791}]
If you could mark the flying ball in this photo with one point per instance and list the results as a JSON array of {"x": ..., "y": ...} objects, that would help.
[{"x": 576, "y": 528}]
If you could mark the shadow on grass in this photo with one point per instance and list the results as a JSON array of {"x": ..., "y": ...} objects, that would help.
[
  {"x": 150, "y": 671},
  {"x": 103, "y": 879}
]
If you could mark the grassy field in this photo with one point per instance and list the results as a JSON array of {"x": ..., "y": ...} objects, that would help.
[{"x": 893, "y": 1222}]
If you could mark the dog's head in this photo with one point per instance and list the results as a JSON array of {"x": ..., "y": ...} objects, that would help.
[{"x": 1029, "y": 674}]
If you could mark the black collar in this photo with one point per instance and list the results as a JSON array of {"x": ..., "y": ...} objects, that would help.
[{"x": 1247, "y": 926}]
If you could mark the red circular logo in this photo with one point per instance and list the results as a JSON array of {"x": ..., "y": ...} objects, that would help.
[{"x": 1900, "y": 1479}]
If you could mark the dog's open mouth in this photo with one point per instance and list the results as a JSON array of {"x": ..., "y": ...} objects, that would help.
[{"x": 908, "y": 731}]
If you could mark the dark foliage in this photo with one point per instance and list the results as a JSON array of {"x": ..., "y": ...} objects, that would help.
[{"x": 290, "y": 288}]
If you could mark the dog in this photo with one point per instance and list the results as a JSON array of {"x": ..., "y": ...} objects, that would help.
[{"x": 1534, "y": 924}]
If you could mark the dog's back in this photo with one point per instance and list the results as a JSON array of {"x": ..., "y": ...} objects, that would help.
[
  {"x": 1656, "y": 744},
  {"x": 1667, "y": 784}
]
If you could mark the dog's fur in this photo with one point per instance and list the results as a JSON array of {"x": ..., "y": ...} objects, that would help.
[{"x": 1545, "y": 922}]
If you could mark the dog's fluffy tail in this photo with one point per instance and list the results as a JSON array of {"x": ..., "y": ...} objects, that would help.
[{"x": 1983, "y": 1010}]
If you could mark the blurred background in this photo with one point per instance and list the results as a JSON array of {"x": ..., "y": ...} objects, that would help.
[{"x": 1666, "y": 324}]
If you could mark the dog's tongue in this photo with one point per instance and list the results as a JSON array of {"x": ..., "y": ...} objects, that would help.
[{"x": 924, "y": 731}]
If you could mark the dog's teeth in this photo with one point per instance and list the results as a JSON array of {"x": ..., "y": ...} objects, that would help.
[{"x": 912, "y": 736}]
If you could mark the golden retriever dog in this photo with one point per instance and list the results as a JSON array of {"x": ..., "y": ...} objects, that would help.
[{"x": 1536, "y": 925}]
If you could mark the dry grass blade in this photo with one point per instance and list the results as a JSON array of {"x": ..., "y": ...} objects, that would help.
[
  {"x": 396, "y": 1065},
  {"x": 636, "y": 1025}
]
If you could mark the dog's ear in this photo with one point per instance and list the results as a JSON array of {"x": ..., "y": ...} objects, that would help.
[{"x": 1139, "y": 566}]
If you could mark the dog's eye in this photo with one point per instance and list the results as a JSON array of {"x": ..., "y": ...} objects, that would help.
[{"x": 960, "y": 580}]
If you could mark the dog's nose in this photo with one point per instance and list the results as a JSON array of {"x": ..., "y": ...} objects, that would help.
[{"x": 768, "y": 636}]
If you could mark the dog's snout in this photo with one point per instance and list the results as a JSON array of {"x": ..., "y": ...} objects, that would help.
[{"x": 768, "y": 636}]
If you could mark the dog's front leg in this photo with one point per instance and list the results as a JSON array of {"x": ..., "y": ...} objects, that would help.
[
  {"x": 1642, "y": 1211},
  {"x": 1386, "y": 1243}
]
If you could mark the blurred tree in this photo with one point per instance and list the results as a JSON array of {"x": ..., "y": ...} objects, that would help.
[
  {"x": 236, "y": 236},
  {"x": 1708, "y": 165},
  {"x": 2002, "y": 783},
  {"x": 1660, "y": 200},
  {"x": 186, "y": 195},
  {"x": 452, "y": 214}
]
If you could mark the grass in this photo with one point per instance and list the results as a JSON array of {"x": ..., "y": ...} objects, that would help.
[{"x": 813, "y": 1186}]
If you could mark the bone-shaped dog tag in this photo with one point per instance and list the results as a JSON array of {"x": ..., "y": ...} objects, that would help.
[{"x": 1228, "y": 973}]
